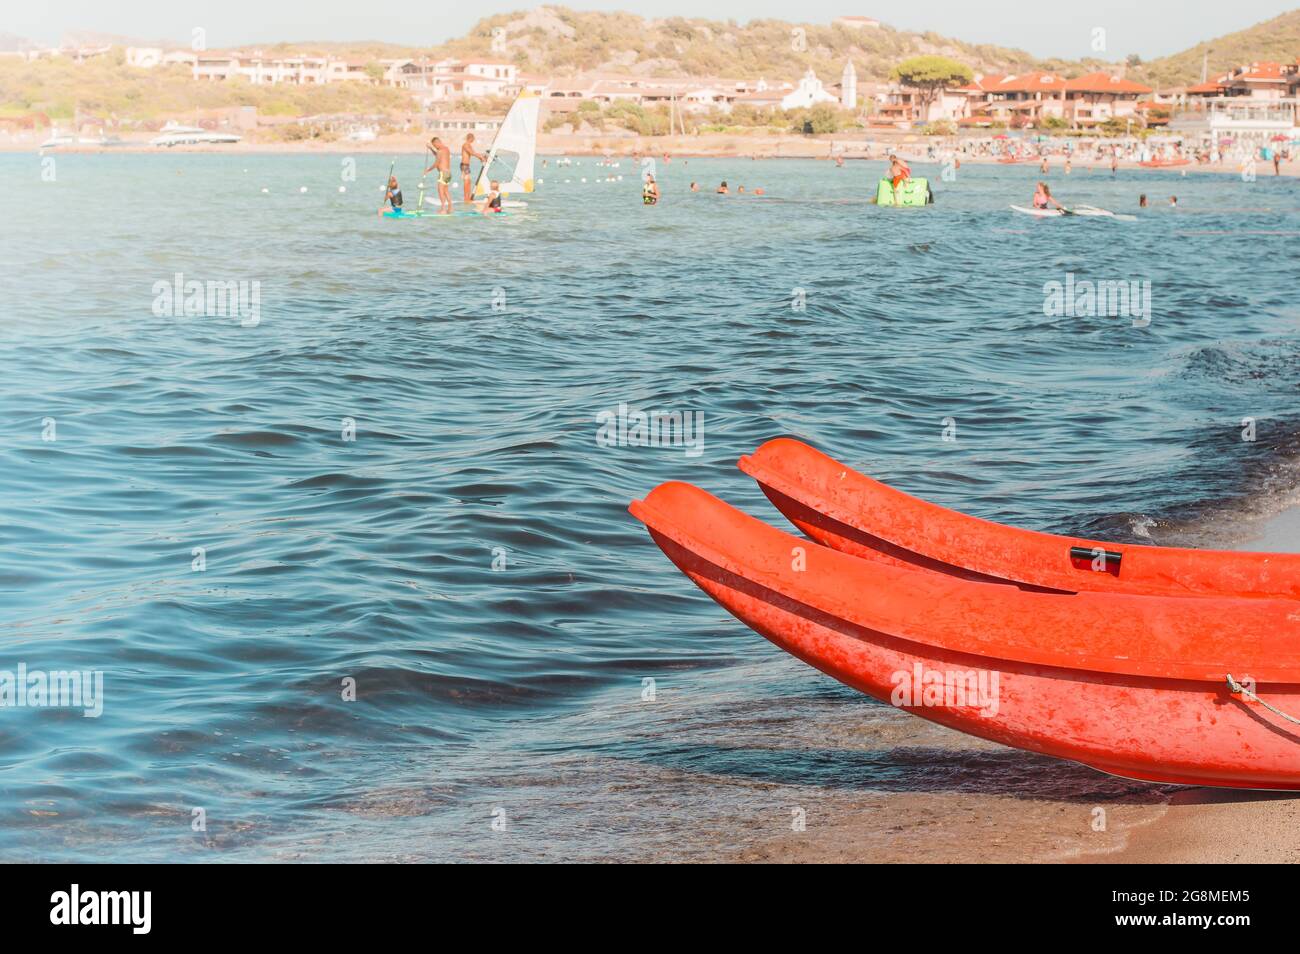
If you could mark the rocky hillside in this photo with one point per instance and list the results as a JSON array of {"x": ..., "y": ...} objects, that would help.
[
  {"x": 559, "y": 41},
  {"x": 1277, "y": 40}
]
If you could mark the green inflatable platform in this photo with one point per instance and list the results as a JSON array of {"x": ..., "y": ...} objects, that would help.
[{"x": 912, "y": 192}]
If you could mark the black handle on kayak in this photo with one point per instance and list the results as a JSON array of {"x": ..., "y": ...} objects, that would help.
[{"x": 1110, "y": 558}]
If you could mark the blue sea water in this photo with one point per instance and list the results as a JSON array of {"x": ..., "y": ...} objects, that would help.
[{"x": 394, "y": 478}]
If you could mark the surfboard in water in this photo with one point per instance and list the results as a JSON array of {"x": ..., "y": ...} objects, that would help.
[{"x": 514, "y": 150}]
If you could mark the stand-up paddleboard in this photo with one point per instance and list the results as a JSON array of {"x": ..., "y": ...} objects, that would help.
[
  {"x": 1040, "y": 213},
  {"x": 433, "y": 214},
  {"x": 1088, "y": 211}
]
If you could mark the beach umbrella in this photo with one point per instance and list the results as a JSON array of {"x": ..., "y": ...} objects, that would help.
[
  {"x": 1279, "y": 138},
  {"x": 1001, "y": 136}
]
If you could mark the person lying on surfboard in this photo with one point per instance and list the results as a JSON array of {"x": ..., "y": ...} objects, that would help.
[
  {"x": 441, "y": 162},
  {"x": 899, "y": 172},
  {"x": 393, "y": 196},
  {"x": 1043, "y": 198},
  {"x": 467, "y": 152},
  {"x": 492, "y": 204}
]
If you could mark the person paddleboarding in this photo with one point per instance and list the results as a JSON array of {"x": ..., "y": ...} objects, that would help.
[
  {"x": 467, "y": 152},
  {"x": 441, "y": 162}
]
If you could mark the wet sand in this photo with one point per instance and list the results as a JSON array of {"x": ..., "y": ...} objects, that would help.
[{"x": 1203, "y": 825}]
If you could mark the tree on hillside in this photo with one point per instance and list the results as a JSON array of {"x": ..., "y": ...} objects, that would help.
[{"x": 930, "y": 74}]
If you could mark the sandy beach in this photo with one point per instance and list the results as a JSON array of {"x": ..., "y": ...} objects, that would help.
[{"x": 859, "y": 145}]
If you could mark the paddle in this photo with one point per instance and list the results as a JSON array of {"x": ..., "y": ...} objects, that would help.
[
  {"x": 420, "y": 206},
  {"x": 387, "y": 179}
]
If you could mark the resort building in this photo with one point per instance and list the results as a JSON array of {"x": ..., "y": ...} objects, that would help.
[
  {"x": 856, "y": 23},
  {"x": 1098, "y": 97},
  {"x": 1254, "y": 104}
]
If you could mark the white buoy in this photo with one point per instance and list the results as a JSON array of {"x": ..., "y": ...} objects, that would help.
[
  {"x": 265, "y": 190},
  {"x": 302, "y": 188},
  {"x": 584, "y": 179},
  {"x": 343, "y": 188},
  {"x": 620, "y": 177}
]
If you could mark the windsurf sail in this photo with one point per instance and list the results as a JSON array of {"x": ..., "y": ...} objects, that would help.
[{"x": 514, "y": 150}]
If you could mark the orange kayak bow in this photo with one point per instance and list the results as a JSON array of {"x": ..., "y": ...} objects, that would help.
[
  {"x": 1159, "y": 688},
  {"x": 845, "y": 510}
]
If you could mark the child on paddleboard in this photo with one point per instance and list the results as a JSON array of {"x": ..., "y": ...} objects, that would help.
[
  {"x": 492, "y": 204},
  {"x": 392, "y": 196}
]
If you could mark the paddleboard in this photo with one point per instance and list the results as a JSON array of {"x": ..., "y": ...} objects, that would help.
[
  {"x": 1040, "y": 213},
  {"x": 428, "y": 214}
]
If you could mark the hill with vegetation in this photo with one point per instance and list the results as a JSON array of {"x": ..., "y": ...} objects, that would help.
[
  {"x": 1277, "y": 40},
  {"x": 558, "y": 41},
  {"x": 555, "y": 41}
]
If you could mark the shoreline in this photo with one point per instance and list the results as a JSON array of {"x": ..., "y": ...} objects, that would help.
[
  {"x": 1222, "y": 825},
  {"x": 857, "y": 147}
]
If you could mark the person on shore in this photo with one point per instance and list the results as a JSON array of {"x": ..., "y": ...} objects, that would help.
[
  {"x": 899, "y": 172},
  {"x": 1114, "y": 165},
  {"x": 393, "y": 197},
  {"x": 1277, "y": 162},
  {"x": 1067, "y": 165},
  {"x": 467, "y": 151},
  {"x": 492, "y": 204},
  {"x": 1142, "y": 201},
  {"x": 650, "y": 190},
  {"x": 441, "y": 162},
  {"x": 1042, "y": 166},
  {"x": 722, "y": 189},
  {"x": 1043, "y": 198}
]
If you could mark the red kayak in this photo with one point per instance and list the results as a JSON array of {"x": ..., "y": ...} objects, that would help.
[
  {"x": 1157, "y": 688},
  {"x": 1165, "y": 163},
  {"x": 848, "y": 511}
]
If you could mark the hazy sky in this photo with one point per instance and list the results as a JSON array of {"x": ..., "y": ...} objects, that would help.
[{"x": 1045, "y": 27}]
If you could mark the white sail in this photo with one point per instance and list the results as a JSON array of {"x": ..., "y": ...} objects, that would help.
[{"x": 511, "y": 158}]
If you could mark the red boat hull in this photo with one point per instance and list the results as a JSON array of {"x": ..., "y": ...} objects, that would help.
[
  {"x": 1134, "y": 724},
  {"x": 848, "y": 511}
]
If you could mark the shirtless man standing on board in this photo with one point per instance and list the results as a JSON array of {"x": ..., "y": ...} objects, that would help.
[
  {"x": 441, "y": 162},
  {"x": 467, "y": 152}
]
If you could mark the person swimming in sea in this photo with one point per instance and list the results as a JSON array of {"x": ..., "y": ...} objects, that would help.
[
  {"x": 899, "y": 172},
  {"x": 650, "y": 190},
  {"x": 392, "y": 196},
  {"x": 441, "y": 162},
  {"x": 1043, "y": 198},
  {"x": 492, "y": 204},
  {"x": 1173, "y": 201},
  {"x": 722, "y": 189},
  {"x": 695, "y": 187},
  {"x": 1142, "y": 201}
]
